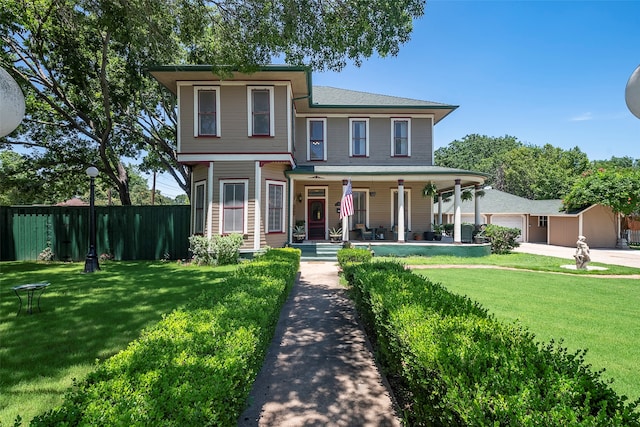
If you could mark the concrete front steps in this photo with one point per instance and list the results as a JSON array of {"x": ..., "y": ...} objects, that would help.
[{"x": 318, "y": 251}]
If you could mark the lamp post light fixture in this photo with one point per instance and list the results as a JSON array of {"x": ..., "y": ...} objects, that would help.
[{"x": 91, "y": 263}]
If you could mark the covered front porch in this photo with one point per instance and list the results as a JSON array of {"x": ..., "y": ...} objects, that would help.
[
  {"x": 390, "y": 204},
  {"x": 326, "y": 251}
]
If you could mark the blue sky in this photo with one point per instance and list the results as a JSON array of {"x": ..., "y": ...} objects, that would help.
[{"x": 546, "y": 72}]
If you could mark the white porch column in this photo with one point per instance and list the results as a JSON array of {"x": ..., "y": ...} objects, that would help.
[
  {"x": 401, "y": 210},
  {"x": 440, "y": 195},
  {"x": 477, "y": 204},
  {"x": 257, "y": 206},
  {"x": 345, "y": 219},
  {"x": 210, "y": 201},
  {"x": 457, "y": 216}
]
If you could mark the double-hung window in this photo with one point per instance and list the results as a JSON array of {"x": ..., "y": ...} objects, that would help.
[
  {"x": 199, "y": 212},
  {"x": 359, "y": 207},
  {"x": 359, "y": 137},
  {"x": 234, "y": 206},
  {"x": 275, "y": 207},
  {"x": 401, "y": 137},
  {"x": 261, "y": 104},
  {"x": 316, "y": 135},
  {"x": 206, "y": 111}
]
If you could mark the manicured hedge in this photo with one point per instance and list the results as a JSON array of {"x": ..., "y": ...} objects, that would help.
[
  {"x": 196, "y": 366},
  {"x": 457, "y": 365}
]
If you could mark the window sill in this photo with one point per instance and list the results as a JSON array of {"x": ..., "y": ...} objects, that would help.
[
  {"x": 261, "y": 136},
  {"x": 207, "y": 137}
]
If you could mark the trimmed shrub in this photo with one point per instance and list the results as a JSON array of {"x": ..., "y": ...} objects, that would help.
[
  {"x": 503, "y": 239},
  {"x": 351, "y": 255},
  {"x": 458, "y": 365},
  {"x": 197, "y": 365},
  {"x": 219, "y": 250}
]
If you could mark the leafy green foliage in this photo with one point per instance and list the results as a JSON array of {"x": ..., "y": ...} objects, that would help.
[
  {"x": 502, "y": 239},
  {"x": 351, "y": 255},
  {"x": 618, "y": 189},
  {"x": 219, "y": 250},
  {"x": 525, "y": 170},
  {"x": 457, "y": 365},
  {"x": 197, "y": 365}
]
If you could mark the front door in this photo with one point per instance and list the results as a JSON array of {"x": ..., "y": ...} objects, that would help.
[{"x": 316, "y": 220}]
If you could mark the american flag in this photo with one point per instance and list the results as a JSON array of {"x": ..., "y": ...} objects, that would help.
[{"x": 346, "y": 204}]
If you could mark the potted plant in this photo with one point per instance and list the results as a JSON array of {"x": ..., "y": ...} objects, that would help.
[
  {"x": 335, "y": 234},
  {"x": 437, "y": 230},
  {"x": 299, "y": 233}
]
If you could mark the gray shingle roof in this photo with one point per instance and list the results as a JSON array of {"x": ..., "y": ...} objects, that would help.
[
  {"x": 498, "y": 202},
  {"x": 325, "y": 95}
]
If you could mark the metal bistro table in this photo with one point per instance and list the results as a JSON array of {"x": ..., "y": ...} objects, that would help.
[{"x": 30, "y": 289}]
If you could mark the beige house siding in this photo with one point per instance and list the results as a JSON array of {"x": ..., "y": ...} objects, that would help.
[
  {"x": 599, "y": 227},
  {"x": 233, "y": 117},
  {"x": 563, "y": 231}
]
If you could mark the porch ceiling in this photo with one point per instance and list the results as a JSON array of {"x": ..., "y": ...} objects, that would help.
[{"x": 444, "y": 178}]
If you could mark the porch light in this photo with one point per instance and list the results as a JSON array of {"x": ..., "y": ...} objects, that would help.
[{"x": 299, "y": 197}]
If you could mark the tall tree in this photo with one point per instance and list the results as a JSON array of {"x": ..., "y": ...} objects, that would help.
[
  {"x": 478, "y": 153},
  {"x": 82, "y": 62},
  {"x": 617, "y": 188},
  {"x": 546, "y": 172}
]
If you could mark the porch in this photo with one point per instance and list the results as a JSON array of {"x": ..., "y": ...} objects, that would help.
[{"x": 322, "y": 250}]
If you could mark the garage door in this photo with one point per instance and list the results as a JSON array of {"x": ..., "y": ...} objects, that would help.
[{"x": 511, "y": 221}]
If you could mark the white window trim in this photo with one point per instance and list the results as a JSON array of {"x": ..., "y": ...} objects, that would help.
[
  {"x": 196, "y": 98},
  {"x": 245, "y": 220},
  {"x": 324, "y": 134},
  {"x": 356, "y": 119},
  {"x": 407, "y": 207},
  {"x": 204, "y": 206},
  {"x": 393, "y": 136},
  {"x": 272, "y": 120},
  {"x": 269, "y": 183},
  {"x": 543, "y": 221}
]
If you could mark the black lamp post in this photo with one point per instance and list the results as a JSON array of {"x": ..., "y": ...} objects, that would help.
[{"x": 91, "y": 263}]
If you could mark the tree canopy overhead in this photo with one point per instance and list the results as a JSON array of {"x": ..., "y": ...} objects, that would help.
[{"x": 82, "y": 64}]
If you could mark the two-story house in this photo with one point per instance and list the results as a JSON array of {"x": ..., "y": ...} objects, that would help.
[{"x": 269, "y": 150}]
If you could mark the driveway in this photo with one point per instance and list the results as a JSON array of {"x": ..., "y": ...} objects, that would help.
[{"x": 624, "y": 257}]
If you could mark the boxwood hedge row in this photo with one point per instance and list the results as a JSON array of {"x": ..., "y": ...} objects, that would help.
[
  {"x": 457, "y": 365},
  {"x": 197, "y": 365}
]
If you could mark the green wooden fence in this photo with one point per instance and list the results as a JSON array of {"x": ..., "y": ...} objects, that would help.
[{"x": 126, "y": 232}]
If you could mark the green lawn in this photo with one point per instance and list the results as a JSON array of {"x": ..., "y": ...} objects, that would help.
[
  {"x": 85, "y": 317},
  {"x": 598, "y": 314}
]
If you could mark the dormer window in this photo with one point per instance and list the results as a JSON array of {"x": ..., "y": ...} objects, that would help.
[
  {"x": 261, "y": 104},
  {"x": 207, "y": 108},
  {"x": 401, "y": 137}
]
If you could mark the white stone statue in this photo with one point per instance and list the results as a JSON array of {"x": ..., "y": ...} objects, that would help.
[{"x": 582, "y": 253}]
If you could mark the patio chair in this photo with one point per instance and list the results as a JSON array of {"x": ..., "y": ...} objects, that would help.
[{"x": 365, "y": 233}]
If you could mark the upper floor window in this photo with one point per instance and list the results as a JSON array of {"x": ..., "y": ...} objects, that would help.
[
  {"x": 316, "y": 131},
  {"x": 234, "y": 206},
  {"x": 206, "y": 111},
  {"x": 275, "y": 207},
  {"x": 400, "y": 137},
  {"x": 359, "y": 137},
  {"x": 199, "y": 211},
  {"x": 261, "y": 104}
]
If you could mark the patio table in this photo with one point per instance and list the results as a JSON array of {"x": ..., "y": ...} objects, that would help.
[{"x": 30, "y": 289}]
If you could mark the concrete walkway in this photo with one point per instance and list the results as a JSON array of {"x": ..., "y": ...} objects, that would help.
[{"x": 319, "y": 369}]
